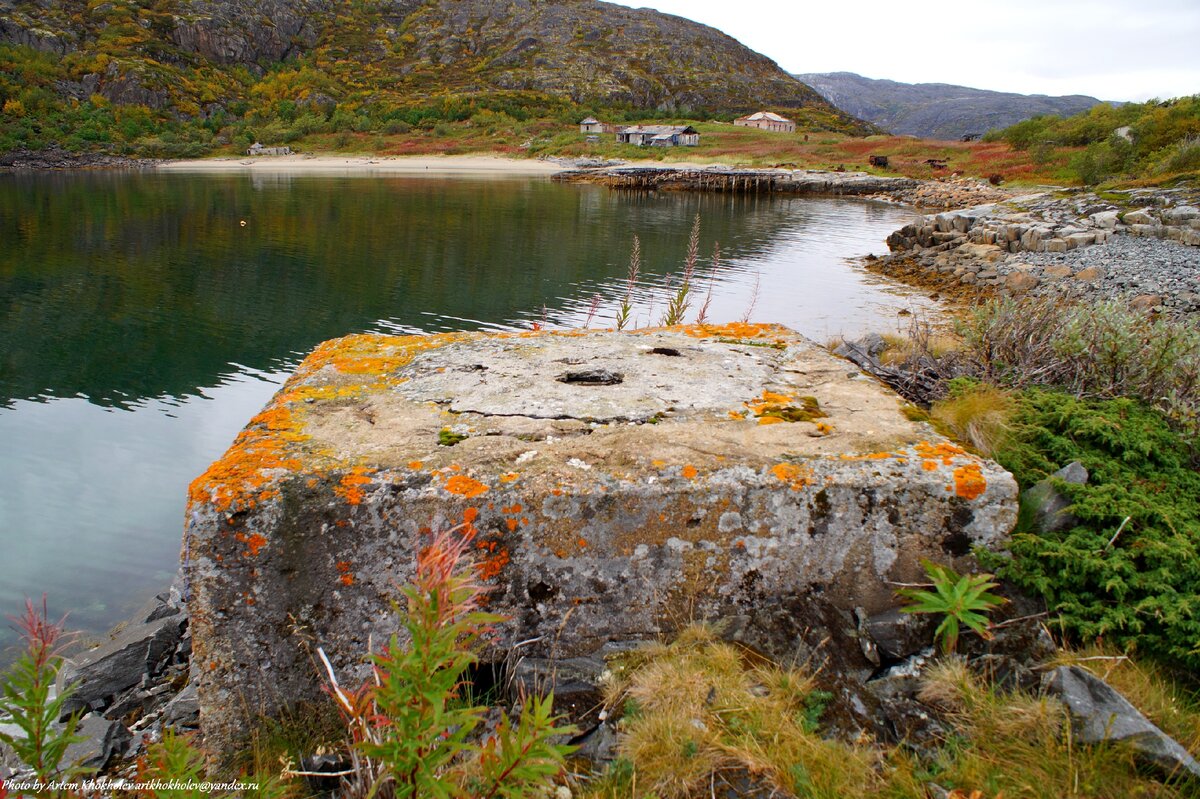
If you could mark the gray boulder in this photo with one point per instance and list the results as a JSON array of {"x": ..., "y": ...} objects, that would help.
[
  {"x": 103, "y": 740},
  {"x": 1100, "y": 714},
  {"x": 1051, "y": 509}
]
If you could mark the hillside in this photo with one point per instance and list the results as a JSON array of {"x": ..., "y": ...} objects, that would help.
[
  {"x": 362, "y": 64},
  {"x": 936, "y": 110}
]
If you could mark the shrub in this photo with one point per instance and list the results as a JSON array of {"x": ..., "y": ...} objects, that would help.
[
  {"x": 1102, "y": 350},
  {"x": 1129, "y": 572}
]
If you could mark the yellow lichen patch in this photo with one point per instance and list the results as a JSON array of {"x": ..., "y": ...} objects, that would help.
[
  {"x": 509, "y": 477},
  {"x": 795, "y": 476},
  {"x": 658, "y": 464},
  {"x": 689, "y": 472},
  {"x": 969, "y": 482},
  {"x": 824, "y": 429},
  {"x": 350, "y": 487},
  {"x": 465, "y": 486},
  {"x": 770, "y": 420},
  {"x": 737, "y": 415},
  {"x": 372, "y": 354}
]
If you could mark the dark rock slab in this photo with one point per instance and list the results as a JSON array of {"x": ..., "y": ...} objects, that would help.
[
  {"x": 133, "y": 653},
  {"x": 1100, "y": 714}
]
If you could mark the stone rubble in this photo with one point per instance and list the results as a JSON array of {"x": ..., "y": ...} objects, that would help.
[{"x": 1141, "y": 246}]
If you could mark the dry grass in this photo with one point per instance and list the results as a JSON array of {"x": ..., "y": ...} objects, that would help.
[
  {"x": 977, "y": 416},
  {"x": 1019, "y": 745},
  {"x": 700, "y": 709}
]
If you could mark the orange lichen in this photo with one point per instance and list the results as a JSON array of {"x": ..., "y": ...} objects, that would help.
[
  {"x": 731, "y": 330},
  {"x": 870, "y": 456},
  {"x": 350, "y": 486},
  {"x": 415, "y": 465},
  {"x": 737, "y": 415},
  {"x": 943, "y": 451},
  {"x": 509, "y": 477},
  {"x": 824, "y": 429},
  {"x": 794, "y": 475},
  {"x": 929, "y": 466},
  {"x": 465, "y": 486},
  {"x": 511, "y": 524},
  {"x": 969, "y": 482},
  {"x": 581, "y": 543},
  {"x": 770, "y": 420},
  {"x": 253, "y": 541},
  {"x": 689, "y": 472},
  {"x": 345, "y": 577}
]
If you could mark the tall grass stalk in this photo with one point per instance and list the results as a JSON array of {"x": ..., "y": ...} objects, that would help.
[
  {"x": 635, "y": 268},
  {"x": 680, "y": 301}
]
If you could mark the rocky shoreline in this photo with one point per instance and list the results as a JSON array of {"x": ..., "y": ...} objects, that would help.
[
  {"x": 1139, "y": 246},
  {"x": 58, "y": 158}
]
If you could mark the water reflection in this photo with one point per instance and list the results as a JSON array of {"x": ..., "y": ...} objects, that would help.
[{"x": 141, "y": 323}]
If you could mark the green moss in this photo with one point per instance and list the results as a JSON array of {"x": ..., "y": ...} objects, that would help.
[
  {"x": 806, "y": 411},
  {"x": 1138, "y": 589},
  {"x": 448, "y": 438}
]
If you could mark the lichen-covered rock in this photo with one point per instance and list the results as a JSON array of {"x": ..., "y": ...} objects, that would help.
[{"x": 615, "y": 486}]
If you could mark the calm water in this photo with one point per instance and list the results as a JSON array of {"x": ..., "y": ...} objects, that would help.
[{"x": 141, "y": 323}]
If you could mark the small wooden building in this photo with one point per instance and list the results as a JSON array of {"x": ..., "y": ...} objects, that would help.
[
  {"x": 258, "y": 149},
  {"x": 659, "y": 135},
  {"x": 765, "y": 120}
]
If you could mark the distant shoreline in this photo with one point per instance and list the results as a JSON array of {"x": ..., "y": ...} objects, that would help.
[{"x": 458, "y": 164}]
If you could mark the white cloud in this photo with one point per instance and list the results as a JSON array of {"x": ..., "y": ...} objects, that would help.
[{"x": 1111, "y": 49}]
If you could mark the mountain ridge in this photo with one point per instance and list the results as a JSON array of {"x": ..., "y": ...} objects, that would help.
[
  {"x": 193, "y": 56},
  {"x": 936, "y": 110}
]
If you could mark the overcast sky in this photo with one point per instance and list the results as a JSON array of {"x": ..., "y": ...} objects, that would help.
[{"x": 1111, "y": 49}]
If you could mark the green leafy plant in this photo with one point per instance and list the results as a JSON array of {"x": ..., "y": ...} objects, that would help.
[
  {"x": 411, "y": 730},
  {"x": 961, "y": 600},
  {"x": 28, "y": 701}
]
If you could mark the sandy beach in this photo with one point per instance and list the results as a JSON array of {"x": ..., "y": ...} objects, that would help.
[{"x": 359, "y": 164}]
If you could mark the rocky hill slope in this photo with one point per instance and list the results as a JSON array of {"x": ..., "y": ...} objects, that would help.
[
  {"x": 936, "y": 110},
  {"x": 195, "y": 56}
]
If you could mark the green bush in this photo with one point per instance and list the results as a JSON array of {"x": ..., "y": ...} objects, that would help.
[{"x": 1139, "y": 588}]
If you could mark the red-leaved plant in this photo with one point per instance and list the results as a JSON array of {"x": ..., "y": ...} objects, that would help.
[
  {"x": 411, "y": 728},
  {"x": 27, "y": 698}
]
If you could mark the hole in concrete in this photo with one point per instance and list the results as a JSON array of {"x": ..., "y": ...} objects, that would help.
[
  {"x": 591, "y": 377},
  {"x": 674, "y": 353},
  {"x": 540, "y": 592},
  {"x": 488, "y": 682}
]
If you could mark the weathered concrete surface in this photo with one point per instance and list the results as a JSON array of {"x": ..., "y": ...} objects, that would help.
[{"x": 616, "y": 485}]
